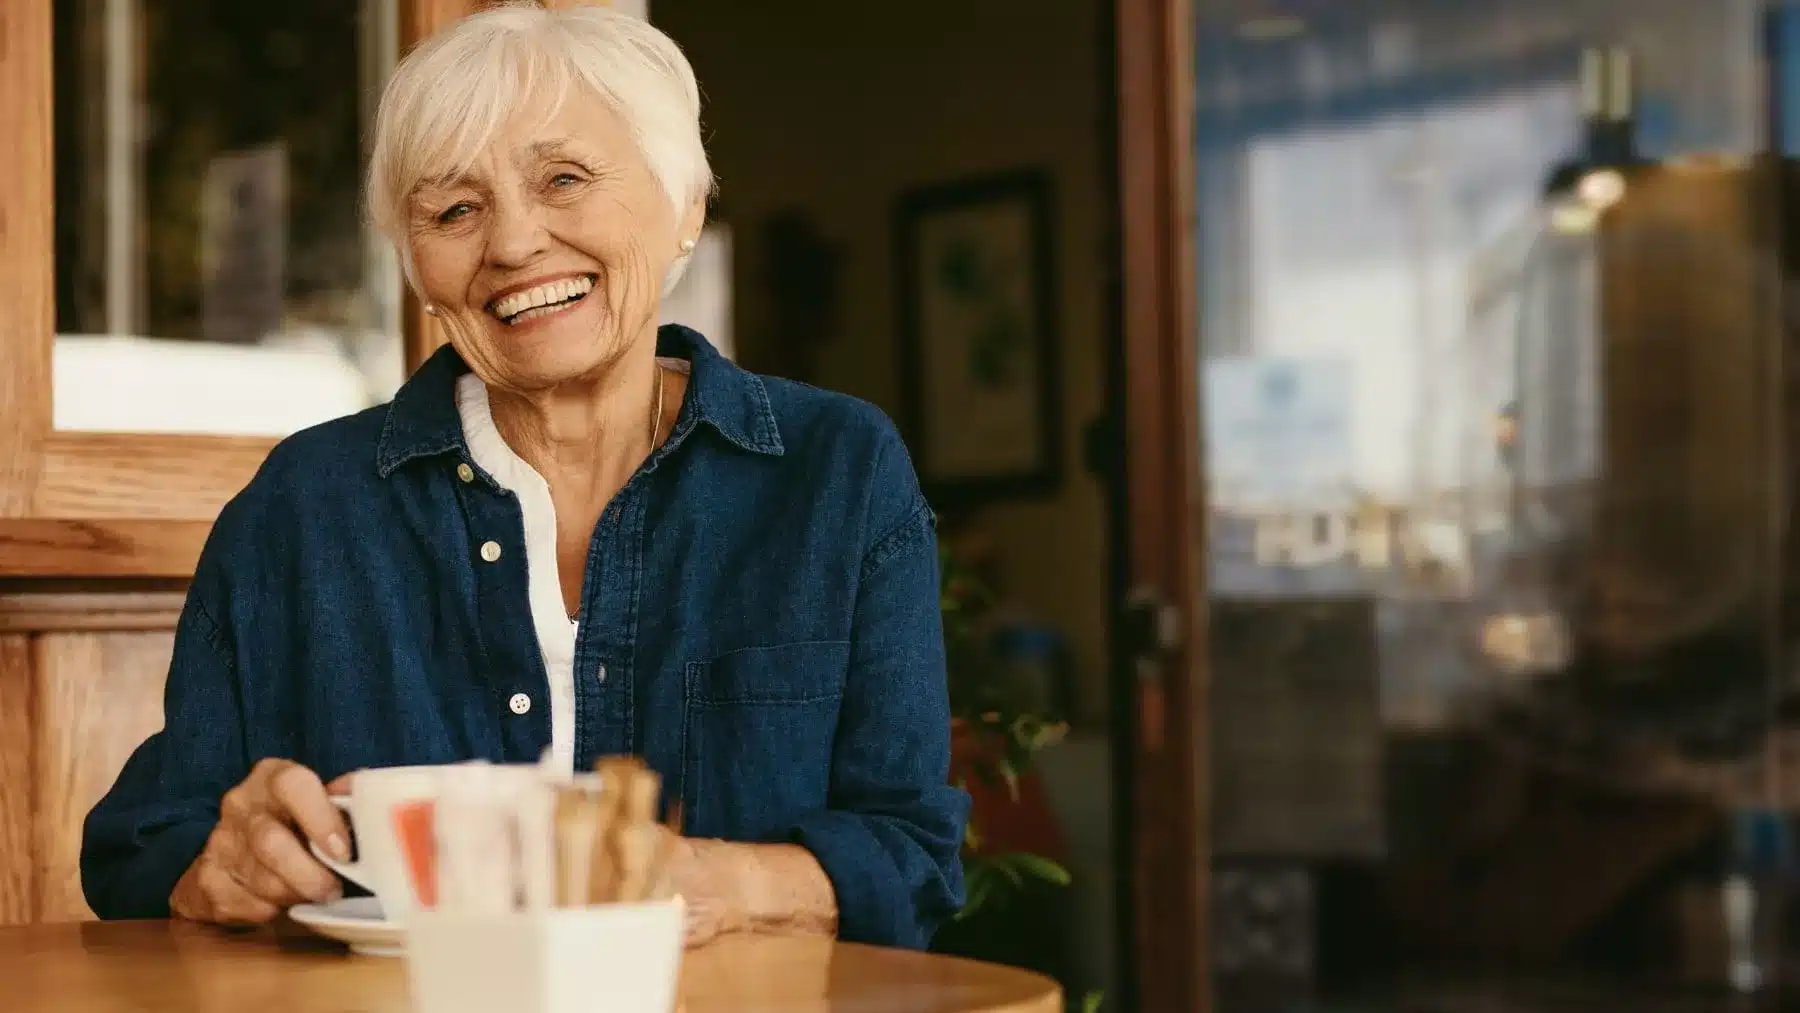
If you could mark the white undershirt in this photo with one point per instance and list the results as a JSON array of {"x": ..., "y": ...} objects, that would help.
[{"x": 555, "y": 630}]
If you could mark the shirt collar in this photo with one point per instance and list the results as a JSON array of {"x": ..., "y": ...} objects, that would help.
[
  {"x": 423, "y": 420},
  {"x": 733, "y": 401}
]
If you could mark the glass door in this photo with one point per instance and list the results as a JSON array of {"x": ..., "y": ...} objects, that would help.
[{"x": 1491, "y": 346}]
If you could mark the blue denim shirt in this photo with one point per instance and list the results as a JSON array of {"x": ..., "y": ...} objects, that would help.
[{"x": 759, "y": 621}]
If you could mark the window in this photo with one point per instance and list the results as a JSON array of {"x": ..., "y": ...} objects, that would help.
[{"x": 213, "y": 270}]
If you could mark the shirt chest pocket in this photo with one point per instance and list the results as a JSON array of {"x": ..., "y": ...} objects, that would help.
[{"x": 760, "y": 728}]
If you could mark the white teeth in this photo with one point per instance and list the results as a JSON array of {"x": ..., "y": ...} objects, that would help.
[
  {"x": 534, "y": 313},
  {"x": 546, "y": 294}
]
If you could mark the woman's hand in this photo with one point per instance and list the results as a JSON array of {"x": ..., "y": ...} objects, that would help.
[
  {"x": 255, "y": 863},
  {"x": 730, "y": 887},
  {"x": 703, "y": 888}
]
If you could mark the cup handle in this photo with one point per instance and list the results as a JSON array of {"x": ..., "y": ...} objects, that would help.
[{"x": 351, "y": 871}]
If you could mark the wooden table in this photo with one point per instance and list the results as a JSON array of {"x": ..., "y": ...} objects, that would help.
[{"x": 100, "y": 967}]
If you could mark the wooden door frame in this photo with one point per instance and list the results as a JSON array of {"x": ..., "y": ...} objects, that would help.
[{"x": 1164, "y": 755}]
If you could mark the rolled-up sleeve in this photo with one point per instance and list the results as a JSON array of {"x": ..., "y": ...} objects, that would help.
[
  {"x": 153, "y": 823},
  {"x": 891, "y": 836}
]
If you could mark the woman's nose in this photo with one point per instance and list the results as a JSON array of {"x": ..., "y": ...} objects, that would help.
[{"x": 516, "y": 234}]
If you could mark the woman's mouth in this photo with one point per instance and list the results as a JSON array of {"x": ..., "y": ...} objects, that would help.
[{"x": 541, "y": 300}]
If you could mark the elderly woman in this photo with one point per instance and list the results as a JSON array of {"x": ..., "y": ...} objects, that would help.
[{"x": 569, "y": 532}]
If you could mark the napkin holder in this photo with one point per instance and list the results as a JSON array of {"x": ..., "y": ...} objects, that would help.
[{"x": 616, "y": 958}]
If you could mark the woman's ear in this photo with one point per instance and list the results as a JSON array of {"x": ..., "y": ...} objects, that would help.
[{"x": 691, "y": 224}]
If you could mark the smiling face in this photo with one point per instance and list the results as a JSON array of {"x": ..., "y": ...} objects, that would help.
[{"x": 545, "y": 261}]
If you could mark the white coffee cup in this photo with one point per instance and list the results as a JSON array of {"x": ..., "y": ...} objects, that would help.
[{"x": 379, "y": 867}]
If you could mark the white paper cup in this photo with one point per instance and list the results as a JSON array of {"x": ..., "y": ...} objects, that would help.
[{"x": 616, "y": 958}]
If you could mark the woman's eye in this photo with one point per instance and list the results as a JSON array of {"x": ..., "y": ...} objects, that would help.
[
  {"x": 453, "y": 212},
  {"x": 563, "y": 179}
]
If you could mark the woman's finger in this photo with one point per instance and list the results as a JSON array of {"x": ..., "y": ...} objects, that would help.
[
  {"x": 299, "y": 798},
  {"x": 229, "y": 901},
  {"x": 282, "y": 861},
  {"x": 261, "y": 882}
]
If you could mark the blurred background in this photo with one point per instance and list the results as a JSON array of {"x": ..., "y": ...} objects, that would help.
[{"x": 1479, "y": 692}]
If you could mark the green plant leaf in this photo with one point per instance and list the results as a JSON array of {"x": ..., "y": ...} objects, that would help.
[
  {"x": 1006, "y": 867},
  {"x": 1010, "y": 774},
  {"x": 1040, "y": 867},
  {"x": 1090, "y": 1003},
  {"x": 980, "y": 883}
]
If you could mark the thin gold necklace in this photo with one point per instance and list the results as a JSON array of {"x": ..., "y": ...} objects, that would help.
[
  {"x": 655, "y": 433},
  {"x": 656, "y": 415}
]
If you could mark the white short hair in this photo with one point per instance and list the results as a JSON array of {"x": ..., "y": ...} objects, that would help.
[{"x": 454, "y": 93}]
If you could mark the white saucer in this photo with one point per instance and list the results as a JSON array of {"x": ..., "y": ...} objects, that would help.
[{"x": 357, "y": 921}]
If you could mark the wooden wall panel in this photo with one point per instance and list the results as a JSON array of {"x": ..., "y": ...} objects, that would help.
[
  {"x": 18, "y": 788},
  {"x": 98, "y": 696},
  {"x": 81, "y": 680}
]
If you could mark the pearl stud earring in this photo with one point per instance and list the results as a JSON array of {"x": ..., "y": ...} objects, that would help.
[
  {"x": 687, "y": 245},
  {"x": 430, "y": 310}
]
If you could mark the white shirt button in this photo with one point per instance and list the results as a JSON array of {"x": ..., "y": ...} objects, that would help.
[
  {"x": 490, "y": 551},
  {"x": 520, "y": 703},
  {"x": 464, "y": 472},
  {"x": 600, "y": 676}
]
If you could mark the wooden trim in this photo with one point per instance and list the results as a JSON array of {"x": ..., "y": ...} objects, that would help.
[
  {"x": 144, "y": 476},
  {"x": 27, "y": 223},
  {"x": 126, "y": 504},
  {"x": 420, "y": 19},
  {"x": 1170, "y": 789},
  {"x": 35, "y": 547},
  {"x": 83, "y": 611}
]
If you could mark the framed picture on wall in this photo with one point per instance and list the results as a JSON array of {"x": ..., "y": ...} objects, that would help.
[{"x": 975, "y": 291}]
